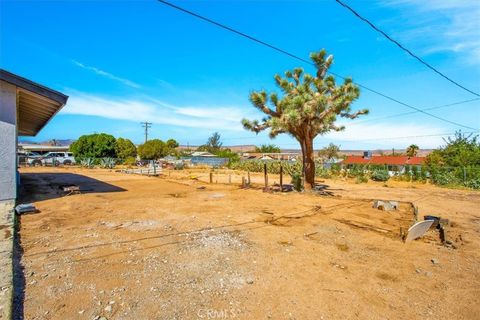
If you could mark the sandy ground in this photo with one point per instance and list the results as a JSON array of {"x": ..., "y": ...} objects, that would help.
[{"x": 175, "y": 247}]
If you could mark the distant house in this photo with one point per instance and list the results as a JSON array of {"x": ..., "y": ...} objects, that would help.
[
  {"x": 285, "y": 156},
  {"x": 394, "y": 164},
  {"x": 25, "y": 108}
]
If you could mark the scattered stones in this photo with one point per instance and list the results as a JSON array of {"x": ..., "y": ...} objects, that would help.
[
  {"x": 435, "y": 261},
  {"x": 108, "y": 308}
]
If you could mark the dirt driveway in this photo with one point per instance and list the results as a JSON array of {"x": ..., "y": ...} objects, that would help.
[{"x": 134, "y": 247}]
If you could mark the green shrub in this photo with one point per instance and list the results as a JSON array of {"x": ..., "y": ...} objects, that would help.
[
  {"x": 444, "y": 178},
  {"x": 97, "y": 145},
  {"x": 107, "y": 163},
  {"x": 297, "y": 181},
  {"x": 473, "y": 184},
  {"x": 87, "y": 163},
  {"x": 179, "y": 166},
  {"x": 125, "y": 148},
  {"x": 380, "y": 175},
  {"x": 130, "y": 161},
  {"x": 361, "y": 179}
]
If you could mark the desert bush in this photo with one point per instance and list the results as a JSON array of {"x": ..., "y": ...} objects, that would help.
[
  {"x": 107, "y": 163},
  {"x": 444, "y": 178},
  {"x": 179, "y": 166},
  {"x": 130, "y": 161},
  {"x": 297, "y": 181},
  {"x": 87, "y": 163},
  {"x": 380, "y": 175},
  {"x": 473, "y": 184},
  {"x": 273, "y": 167},
  {"x": 322, "y": 173},
  {"x": 361, "y": 179}
]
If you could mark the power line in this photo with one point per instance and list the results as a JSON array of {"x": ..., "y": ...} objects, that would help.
[
  {"x": 412, "y": 112},
  {"x": 304, "y": 60},
  {"x": 373, "y": 139},
  {"x": 403, "y": 47},
  {"x": 218, "y": 24}
]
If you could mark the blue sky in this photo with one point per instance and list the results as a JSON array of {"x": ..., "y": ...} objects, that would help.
[{"x": 123, "y": 62}]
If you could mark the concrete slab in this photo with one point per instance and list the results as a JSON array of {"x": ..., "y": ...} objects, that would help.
[{"x": 6, "y": 251}]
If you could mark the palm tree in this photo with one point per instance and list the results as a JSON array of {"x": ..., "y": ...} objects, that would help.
[
  {"x": 309, "y": 106},
  {"x": 412, "y": 150}
]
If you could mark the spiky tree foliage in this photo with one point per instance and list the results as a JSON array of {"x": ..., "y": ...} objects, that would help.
[
  {"x": 412, "y": 150},
  {"x": 308, "y": 106}
]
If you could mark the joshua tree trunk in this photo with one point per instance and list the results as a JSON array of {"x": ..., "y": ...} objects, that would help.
[{"x": 308, "y": 163}]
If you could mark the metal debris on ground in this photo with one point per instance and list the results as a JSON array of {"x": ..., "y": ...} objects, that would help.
[
  {"x": 69, "y": 190},
  {"x": 418, "y": 230},
  {"x": 25, "y": 208},
  {"x": 441, "y": 225},
  {"x": 385, "y": 205}
]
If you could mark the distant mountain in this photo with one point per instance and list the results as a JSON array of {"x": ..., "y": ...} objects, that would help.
[
  {"x": 59, "y": 142},
  {"x": 378, "y": 152}
]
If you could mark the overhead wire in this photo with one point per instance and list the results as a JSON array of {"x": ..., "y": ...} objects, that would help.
[
  {"x": 223, "y": 26},
  {"x": 447, "y": 134},
  {"x": 346, "y": 6},
  {"x": 396, "y": 115}
]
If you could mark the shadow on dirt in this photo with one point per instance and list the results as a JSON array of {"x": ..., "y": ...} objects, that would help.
[
  {"x": 44, "y": 186},
  {"x": 18, "y": 276}
]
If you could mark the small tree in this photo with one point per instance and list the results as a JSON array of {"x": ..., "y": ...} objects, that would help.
[
  {"x": 308, "y": 107},
  {"x": 412, "y": 150},
  {"x": 329, "y": 152},
  {"x": 97, "y": 145},
  {"x": 172, "y": 143},
  {"x": 268, "y": 148},
  {"x": 213, "y": 144},
  {"x": 125, "y": 148},
  {"x": 461, "y": 151},
  {"x": 152, "y": 149}
]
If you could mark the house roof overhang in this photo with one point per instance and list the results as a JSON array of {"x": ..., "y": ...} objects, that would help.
[{"x": 36, "y": 104}]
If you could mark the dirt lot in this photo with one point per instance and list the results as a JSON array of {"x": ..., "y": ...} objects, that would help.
[{"x": 175, "y": 247}]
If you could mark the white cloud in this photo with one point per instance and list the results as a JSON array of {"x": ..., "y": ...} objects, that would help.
[
  {"x": 440, "y": 26},
  {"x": 107, "y": 74},
  {"x": 221, "y": 118},
  {"x": 227, "y": 120}
]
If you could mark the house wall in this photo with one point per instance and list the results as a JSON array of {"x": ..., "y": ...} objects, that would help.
[{"x": 8, "y": 141}]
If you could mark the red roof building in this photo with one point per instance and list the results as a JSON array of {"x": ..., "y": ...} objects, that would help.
[{"x": 385, "y": 160}]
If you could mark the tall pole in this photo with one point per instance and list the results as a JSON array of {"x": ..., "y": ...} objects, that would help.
[{"x": 146, "y": 125}]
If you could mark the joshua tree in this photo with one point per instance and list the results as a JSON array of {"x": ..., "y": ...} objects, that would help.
[
  {"x": 412, "y": 150},
  {"x": 309, "y": 106}
]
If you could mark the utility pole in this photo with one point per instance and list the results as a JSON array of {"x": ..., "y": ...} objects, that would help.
[{"x": 146, "y": 125}]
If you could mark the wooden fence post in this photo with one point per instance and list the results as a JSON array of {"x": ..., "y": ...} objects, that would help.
[
  {"x": 281, "y": 178},
  {"x": 229, "y": 179},
  {"x": 265, "y": 175},
  {"x": 211, "y": 177},
  {"x": 248, "y": 181}
]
